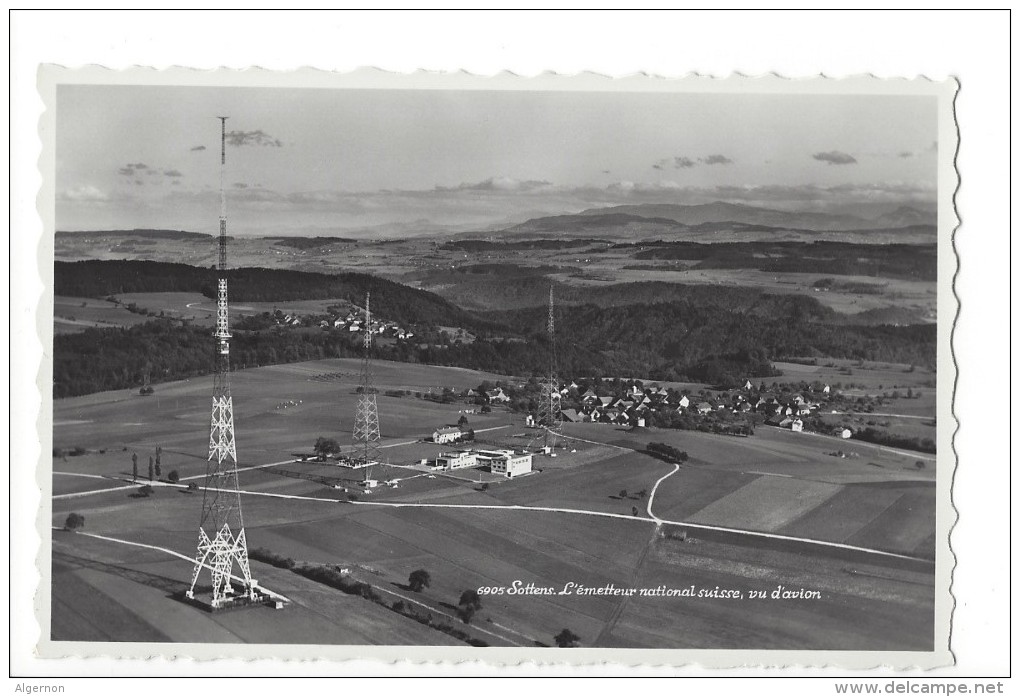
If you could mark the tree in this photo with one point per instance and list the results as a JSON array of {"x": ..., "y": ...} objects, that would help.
[
  {"x": 325, "y": 447},
  {"x": 566, "y": 639},
  {"x": 419, "y": 580},
  {"x": 462, "y": 421},
  {"x": 75, "y": 521},
  {"x": 173, "y": 477},
  {"x": 152, "y": 468},
  {"x": 134, "y": 467},
  {"x": 623, "y": 493},
  {"x": 145, "y": 491},
  {"x": 633, "y": 510},
  {"x": 470, "y": 598},
  {"x": 466, "y": 613}
]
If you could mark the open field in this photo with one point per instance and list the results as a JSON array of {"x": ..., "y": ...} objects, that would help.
[
  {"x": 587, "y": 533},
  {"x": 76, "y": 314}
]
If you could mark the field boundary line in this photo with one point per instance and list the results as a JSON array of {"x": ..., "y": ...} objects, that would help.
[
  {"x": 866, "y": 444},
  {"x": 657, "y": 521},
  {"x": 445, "y": 614},
  {"x": 595, "y": 442},
  {"x": 144, "y": 482},
  {"x": 493, "y": 507}
]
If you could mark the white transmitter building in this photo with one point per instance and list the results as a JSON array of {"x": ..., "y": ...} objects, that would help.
[{"x": 505, "y": 462}]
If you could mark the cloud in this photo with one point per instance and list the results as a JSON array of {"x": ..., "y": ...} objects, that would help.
[
  {"x": 904, "y": 154},
  {"x": 683, "y": 162},
  {"x": 240, "y": 139},
  {"x": 240, "y": 185},
  {"x": 198, "y": 148},
  {"x": 656, "y": 166},
  {"x": 716, "y": 160},
  {"x": 84, "y": 194},
  {"x": 499, "y": 184},
  {"x": 133, "y": 168},
  {"x": 835, "y": 157}
]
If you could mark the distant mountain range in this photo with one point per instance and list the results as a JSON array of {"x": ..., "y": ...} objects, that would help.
[
  {"x": 137, "y": 232},
  {"x": 721, "y": 212},
  {"x": 716, "y": 222}
]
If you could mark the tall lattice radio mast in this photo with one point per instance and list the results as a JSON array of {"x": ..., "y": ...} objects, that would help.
[{"x": 221, "y": 538}]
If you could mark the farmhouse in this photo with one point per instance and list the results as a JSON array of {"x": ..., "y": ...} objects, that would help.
[
  {"x": 447, "y": 434},
  {"x": 456, "y": 460},
  {"x": 498, "y": 396},
  {"x": 704, "y": 407},
  {"x": 797, "y": 426}
]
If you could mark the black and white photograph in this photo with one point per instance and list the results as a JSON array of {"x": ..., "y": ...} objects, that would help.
[{"x": 516, "y": 365}]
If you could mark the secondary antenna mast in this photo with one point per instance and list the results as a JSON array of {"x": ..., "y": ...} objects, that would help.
[
  {"x": 221, "y": 500},
  {"x": 550, "y": 418},
  {"x": 366, "y": 419}
]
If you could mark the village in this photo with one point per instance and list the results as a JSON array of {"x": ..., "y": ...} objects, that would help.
[
  {"x": 352, "y": 322},
  {"x": 737, "y": 411}
]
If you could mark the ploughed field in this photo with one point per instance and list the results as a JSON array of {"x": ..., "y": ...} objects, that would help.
[{"x": 594, "y": 529}]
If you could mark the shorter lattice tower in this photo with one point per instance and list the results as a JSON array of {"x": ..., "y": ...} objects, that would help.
[
  {"x": 549, "y": 417},
  {"x": 366, "y": 418}
]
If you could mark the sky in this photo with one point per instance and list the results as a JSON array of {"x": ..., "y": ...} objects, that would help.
[{"x": 371, "y": 162}]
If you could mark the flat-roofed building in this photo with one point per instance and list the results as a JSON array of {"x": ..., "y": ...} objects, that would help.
[
  {"x": 512, "y": 465},
  {"x": 456, "y": 460},
  {"x": 487, "y": 457}
]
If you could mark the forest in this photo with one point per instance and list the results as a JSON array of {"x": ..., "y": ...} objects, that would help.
[
  {"x": 99, "y": 279},
  {"x": 657, "y": 331},
  {"x": 902, "y": 261}
]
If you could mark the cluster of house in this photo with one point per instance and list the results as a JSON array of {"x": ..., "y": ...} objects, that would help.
[
  {"x": 634, "y": 406},
  {"x": 354, "y": 323},
  {"x": 495, "y": 396},
  {"x": 506, "y": 462}
]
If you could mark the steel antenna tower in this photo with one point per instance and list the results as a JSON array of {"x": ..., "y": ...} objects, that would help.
[
  {"x": 366, "y": 419},
  {"x": 221, "y": 502},
  {"x": 549, "y": 416}
]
